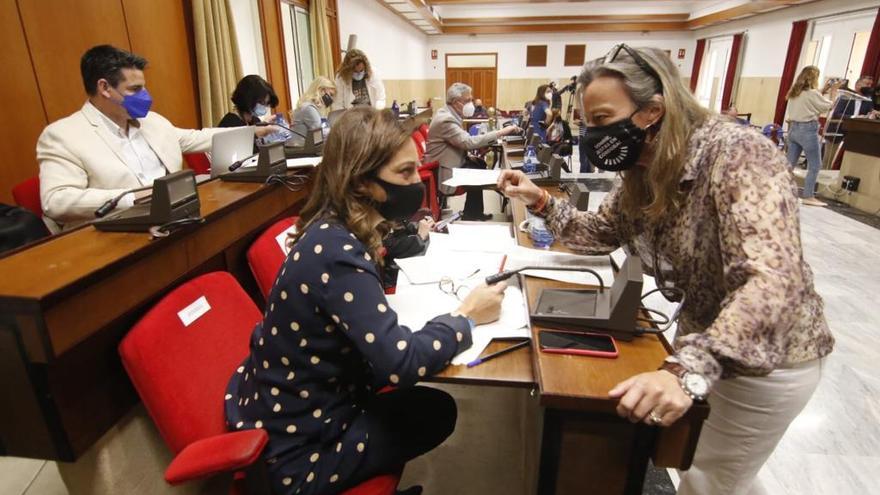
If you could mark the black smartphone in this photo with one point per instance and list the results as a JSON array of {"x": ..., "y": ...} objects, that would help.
[{"x": 579, "y": 343}]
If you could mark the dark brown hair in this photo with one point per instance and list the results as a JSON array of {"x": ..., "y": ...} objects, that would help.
[
  {"x": 359, "y": 144},
  {"x": 539, "y": 95}
]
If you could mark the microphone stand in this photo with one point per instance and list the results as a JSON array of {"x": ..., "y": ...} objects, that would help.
[
  {"x": 111, "y": 204},
  {"x": 506, "y": 274}
]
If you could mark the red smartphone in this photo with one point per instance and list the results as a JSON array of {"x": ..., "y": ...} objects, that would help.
[{"x": 578, "y": 343}]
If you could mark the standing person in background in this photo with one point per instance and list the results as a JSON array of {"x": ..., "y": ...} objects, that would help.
[
  {"x": 540, "y": 115},
  {"x": 253, "y": 98},
  {"x": 317, "y": 99},
  {"x": 357, "y": 83},
  {"x": 805, "y": 105},
  {"x": 556, "y": 101}
]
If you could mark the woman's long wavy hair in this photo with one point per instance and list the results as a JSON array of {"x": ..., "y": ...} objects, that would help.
[
  {"x": 653, "y": 191},
  {"x": 360, "y": 143},
  {"x": 351, "y": 59},
  {"x": 808, "y": 79}
]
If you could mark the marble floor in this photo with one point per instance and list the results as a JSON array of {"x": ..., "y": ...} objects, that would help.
[{"x": 830, "y": 449}]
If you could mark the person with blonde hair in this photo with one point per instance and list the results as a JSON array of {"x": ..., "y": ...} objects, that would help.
[
  {"x": 329, "y": 342},
  {"x": 315, "y": 102},
  {"x": 709, "y": 207},
  {"x": 357, "y": 83},
  {"x": 805, "y": 105}
]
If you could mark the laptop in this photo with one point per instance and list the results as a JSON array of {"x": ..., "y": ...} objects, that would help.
[{"x": 229, "y": 147}]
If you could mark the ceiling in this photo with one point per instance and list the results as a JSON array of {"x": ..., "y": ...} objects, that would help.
[{"x": 435, "y": 17}]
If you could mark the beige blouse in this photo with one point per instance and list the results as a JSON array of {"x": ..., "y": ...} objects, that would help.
[
  {"x": 808, "y": 106},
  {"x": 734, "y": 247}
]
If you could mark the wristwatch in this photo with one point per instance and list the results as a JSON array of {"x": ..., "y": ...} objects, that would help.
[{"x": 695, "y": 385}]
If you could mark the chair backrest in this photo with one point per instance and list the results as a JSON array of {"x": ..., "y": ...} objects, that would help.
[
  {"x": 27, "y": 195},
  {"x": 265, "y": 255},
  {"x": 420, "y": 143},
  {"x": 424, "y": 130},
  {"x": 198, "y": 163},
  {"x": 181, "y": 370},
  {"x": 474, "y": 130}
]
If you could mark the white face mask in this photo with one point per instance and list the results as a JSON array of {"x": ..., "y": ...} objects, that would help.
[
  {"x": 548, "y": 95},
  {"x": 468, "y": 109},
  {"x": 357, "y": 76}
]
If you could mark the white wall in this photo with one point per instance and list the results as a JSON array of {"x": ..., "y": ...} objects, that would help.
[
  {"x": 246, "y": 18},
  {"x": 511, "y": 50},
  {"x": 396, "y": 49},
  {"x": 841, "y": 29},
  {"x": 766, "y": 39}
]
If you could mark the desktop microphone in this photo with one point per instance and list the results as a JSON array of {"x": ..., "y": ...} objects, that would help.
[
  {"x": 506, "y": 274},
  {"x": 235, "y": 165},
  {"x": 111, "y": 204},
  {"x": 267, "y": 124}
]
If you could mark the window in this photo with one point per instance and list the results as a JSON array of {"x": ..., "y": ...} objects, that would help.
[
  {"x": 536, "y": 56},
  {"x": 575, "y": 55},
  {"x": 298, "y": 48}
]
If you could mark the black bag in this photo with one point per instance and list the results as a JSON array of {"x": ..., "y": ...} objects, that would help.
[{"x": 18, "y": 227}]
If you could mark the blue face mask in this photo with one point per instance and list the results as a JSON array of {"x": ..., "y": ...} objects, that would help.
[
  {"x": 357, "y": 76},
  {"x": 260, "y": 110},
  {"x": 138, "y": 104}
]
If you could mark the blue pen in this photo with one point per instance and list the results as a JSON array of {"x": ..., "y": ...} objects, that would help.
[{"x": 499, "y": 353}]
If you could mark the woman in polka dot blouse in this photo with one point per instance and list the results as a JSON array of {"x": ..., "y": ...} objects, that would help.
[{"x": 328, "y": 342}]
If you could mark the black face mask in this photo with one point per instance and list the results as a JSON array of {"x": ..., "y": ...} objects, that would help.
[
  {"x": 327, "y": 100},
  {"x": 615, "y": 147},
  {"x": 402, "y": 202},
  {"x": 867, "y": 91}
]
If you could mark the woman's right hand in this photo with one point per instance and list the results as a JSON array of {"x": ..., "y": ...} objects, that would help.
[
  {"x": 483, "y": 303},
  {"x": 515, "y": 185},
  {"x": 264, "y": 131}
]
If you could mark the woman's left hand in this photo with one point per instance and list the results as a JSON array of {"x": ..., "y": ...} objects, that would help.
[
  {"x": 425, "y": 226},
  {"x": 657, "y": 392}
]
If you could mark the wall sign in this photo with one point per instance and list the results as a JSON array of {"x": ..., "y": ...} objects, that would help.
[
  {"x": 433, "y": 54},
  {"x": 680, "y": 53}
]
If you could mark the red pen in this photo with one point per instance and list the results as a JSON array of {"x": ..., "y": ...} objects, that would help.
[{"x": 503, "y": 262}]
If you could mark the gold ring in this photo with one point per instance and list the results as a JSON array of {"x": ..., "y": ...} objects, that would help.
[{"x": 654, "y": 418}]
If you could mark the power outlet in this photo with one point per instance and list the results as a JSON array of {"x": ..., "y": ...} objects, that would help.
[{"x": 850, "y": 183}]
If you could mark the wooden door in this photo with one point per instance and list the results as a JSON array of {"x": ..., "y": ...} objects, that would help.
[{"x": 483, "y": 80}]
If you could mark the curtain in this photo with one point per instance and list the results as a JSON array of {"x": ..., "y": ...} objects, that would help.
[
  {"x": 795, "y": 43},
  {"x": 322, "y": 52},
  {"x": 732, "y": 70},
  {"x": 698, "y": 61},
  {"x": 217, "y": 58},
  {"x": 872, "y": 55}
]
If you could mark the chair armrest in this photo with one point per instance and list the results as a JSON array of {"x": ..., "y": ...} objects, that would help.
[{"x": 217, "y": 454}]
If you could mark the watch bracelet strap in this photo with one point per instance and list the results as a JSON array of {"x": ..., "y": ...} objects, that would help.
[{"x": 679, "y": 371}]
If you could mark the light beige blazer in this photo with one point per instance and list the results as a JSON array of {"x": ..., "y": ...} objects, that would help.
[{"x": 82, "y": 166}]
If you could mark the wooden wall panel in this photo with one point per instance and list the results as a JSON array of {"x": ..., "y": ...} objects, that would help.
[
  {"x": 161, "y": 31},
  {"x": 58, "y": 33},
  {"x": 273, "y": 48},
  {"x": 536, "y": 56},
  {"x": 23, "y": 117}
]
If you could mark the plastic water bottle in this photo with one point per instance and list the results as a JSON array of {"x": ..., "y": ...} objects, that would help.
[
  {"x": 325, "y": 128},
  {"x": 530, "y": 161},
  {"x": 395, "y": 108},
  {"x": 541, "y": 236}
]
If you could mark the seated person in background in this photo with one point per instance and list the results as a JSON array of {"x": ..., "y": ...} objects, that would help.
[
  {"x": 541, "y": 114},
  {"x": 112, "y": 144},
  {"x": 448, "y": 143},
  {"x": 357, "y": 83},
  {"x": 479, "y": 110},
  {"x": 329, "y": 342},
  {"x": 406, "y": 239},
  {"x": 253, "y": 98},
  {"x": 315, "y": 101},
  {"x": 733, "y": 113}
]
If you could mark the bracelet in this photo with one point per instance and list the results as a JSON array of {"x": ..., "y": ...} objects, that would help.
[{"x": 539, "y": 205}]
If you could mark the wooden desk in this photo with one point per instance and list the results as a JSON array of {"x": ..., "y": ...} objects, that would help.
[{"x": 67, "y": 302}]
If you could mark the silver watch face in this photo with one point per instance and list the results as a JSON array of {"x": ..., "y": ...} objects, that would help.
[{"x": 696, "y": 384}]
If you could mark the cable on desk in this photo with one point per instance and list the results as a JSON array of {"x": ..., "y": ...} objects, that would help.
[{"x": 667, "y": 320}]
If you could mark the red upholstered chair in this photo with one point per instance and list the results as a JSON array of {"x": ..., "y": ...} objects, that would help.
[
  {"x": 265, "y": 256},
  {"x": 27, "y": 195},
  {"x": 181, "y": 371},
  {"x": 424, "y": 130},
  {"x": 428, "y": 174},
  {"x": 420, "y": 143},
  {"x": 198, "y": 162}
]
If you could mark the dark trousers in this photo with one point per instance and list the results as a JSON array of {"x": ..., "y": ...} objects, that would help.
[
  {"x": 586, "y": 166},
  {"x": 473, "y": 201},
  {"x": 401, "y": 425}
]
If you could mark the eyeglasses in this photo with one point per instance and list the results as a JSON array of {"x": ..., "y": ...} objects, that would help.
[
  {"x": 448, "y": 286},
  {"x": 612, "y": 55}
]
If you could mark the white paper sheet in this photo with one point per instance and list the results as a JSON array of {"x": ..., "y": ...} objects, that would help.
[
  {"x": 472, "y": 177},
  {"x": 485, "y": 238},
  {"x": 282, "y": 238},
  {"x": 469, "y": 268},
  {"x": 292, "y": 163},
  {"x": 522, "y": 256}
]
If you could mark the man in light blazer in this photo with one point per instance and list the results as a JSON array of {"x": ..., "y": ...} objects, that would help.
[
  {"x": 112, "y": 144},
  {"x": 448, "y": 144}
]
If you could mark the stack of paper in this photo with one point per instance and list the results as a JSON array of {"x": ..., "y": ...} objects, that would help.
[
  {"x": 472, "y": 177},
  {"x": 457, "y": 266},
  {"x": 520, "y": 257},
  {"x": 485, "y": 238}
]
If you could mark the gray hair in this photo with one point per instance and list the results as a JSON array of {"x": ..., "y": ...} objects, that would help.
[{"x": 456, "y": 91}]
